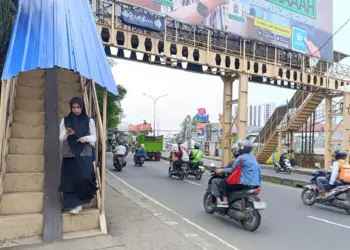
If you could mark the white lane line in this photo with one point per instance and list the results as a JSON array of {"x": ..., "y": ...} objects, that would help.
[
  {"x": 193, "y": 183},
  {"x": 172, "y": 211},
  {"x": 329, "y": 222}
]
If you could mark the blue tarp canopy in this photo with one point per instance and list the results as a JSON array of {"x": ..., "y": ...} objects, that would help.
[{"x": 63, "y": 33}]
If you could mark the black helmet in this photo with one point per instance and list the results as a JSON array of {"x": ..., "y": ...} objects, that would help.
[
  {"x": 340, "y": 155},
  {"x": 120, "y": 143},
  {"x": 196, "y": 146},
  {"x": 242, "y": 147}
]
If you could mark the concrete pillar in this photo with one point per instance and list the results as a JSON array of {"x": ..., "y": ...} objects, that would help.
[
  {"x": 279, "y": 146},
  {"x": 227, "y": 120},
  {"x": 328, "y": 133},
  {"x": 242, "y": 107},
  {"x": 291, "y": 141},
  {"x": 346, "y": 124}
]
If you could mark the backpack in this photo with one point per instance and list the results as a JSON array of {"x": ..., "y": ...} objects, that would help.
[{"x": 344, "y": 173}]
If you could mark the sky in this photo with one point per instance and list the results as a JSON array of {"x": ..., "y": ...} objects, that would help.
[{"x": 186, "y": 92}]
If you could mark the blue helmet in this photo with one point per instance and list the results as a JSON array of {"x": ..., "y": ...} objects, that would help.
[{"x": 340, "y": 155}]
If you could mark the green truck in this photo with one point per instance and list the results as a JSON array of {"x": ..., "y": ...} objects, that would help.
[{"x": 153, "y": 145}]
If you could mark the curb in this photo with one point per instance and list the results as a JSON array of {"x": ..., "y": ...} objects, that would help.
[{"x": 272, "y": 179}]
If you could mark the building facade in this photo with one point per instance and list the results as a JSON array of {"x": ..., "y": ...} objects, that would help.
[{"x": 258, "y": 115}]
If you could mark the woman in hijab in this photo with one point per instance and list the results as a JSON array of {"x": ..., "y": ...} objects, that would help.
[{"x": 78, "y": 134}]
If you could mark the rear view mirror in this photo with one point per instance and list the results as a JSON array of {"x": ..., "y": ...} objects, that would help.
[
  {"x": 317, "y": 165},
  {"x": 212, "y": 166}
]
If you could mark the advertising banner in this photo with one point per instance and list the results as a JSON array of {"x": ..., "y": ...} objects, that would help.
[
  {"x": 140, "y": 127},
  {"x": 142, "y": 19},
  {"x": 202, "y": 116},
  {"x": 300, "y": 25},
  {"x": 200, "y": 130}
]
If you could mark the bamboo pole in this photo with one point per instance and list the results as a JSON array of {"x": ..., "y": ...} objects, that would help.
[{"x": 103, "y": 160}]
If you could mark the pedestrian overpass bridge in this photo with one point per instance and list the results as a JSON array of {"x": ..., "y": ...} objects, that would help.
[{"x": 63, "y": 58}]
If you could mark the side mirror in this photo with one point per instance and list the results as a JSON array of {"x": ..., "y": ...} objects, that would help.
[{"x": 212, "y": 166}]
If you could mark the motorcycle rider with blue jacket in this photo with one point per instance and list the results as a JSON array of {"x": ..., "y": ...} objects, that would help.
[{"x": 250, "y": 173}]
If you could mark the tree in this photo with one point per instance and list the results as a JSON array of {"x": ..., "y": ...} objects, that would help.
[
  {"x": 186, "y": 129},
  {"x": 114, "y": 108}
]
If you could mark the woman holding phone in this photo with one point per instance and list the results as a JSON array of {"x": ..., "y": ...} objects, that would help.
[{"x": 78, "y": 134}]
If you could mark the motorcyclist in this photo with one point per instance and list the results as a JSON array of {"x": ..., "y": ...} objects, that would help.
[
  {"x": 339, "y": 157},
  {"x": 281, "y": 160},
  {"x": 120, "y": 150},
  {"x": 141, "y": 152},
  {"x": 195, "y": 155},
  {"x": 250, "y": 173}
]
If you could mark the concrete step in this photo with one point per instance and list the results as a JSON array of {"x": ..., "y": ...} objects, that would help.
[
  {"x": 25, "y": 164},
  {"x": 30, "y": 93},
  {"x": 29, "y": 117},
  {"x": 69, "y": 86},
  {"x": 26, "y": 146},
  {"x": 68, "y": 76},
  {"x": 82, "y": 234},
  {"x": 22, "y": 225},
  {"x": 23, "y": 182},
  {"x": 92, "y": 204},
  {"x": 30, "y": 104},
  {"x": 87, "y": 219},
  {"x": 34, "y": 82},
  {"x": 21, "y": 203},
  {"x": 63, "y": 108},
  {"x": 66, "y": 96},
  {"x": 27, "y": 131}
]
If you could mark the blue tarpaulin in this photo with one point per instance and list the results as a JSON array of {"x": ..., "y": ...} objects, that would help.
[{"x": 63, "y": 33}]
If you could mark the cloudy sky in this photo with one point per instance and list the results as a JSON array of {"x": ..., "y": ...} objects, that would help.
[{"x": 189, "y": 91}]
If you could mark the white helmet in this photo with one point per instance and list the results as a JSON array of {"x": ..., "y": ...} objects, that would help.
[
  {"x": 242, "y": 147},
  {"x": 142, "y": 145}
]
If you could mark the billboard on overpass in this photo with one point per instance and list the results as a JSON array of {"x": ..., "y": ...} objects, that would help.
[{"x": 300, "y": 25}]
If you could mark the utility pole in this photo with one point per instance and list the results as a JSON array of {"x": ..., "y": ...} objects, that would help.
[{"x": 154, "y": 110}]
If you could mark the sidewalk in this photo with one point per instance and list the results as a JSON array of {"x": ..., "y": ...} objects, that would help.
[{"x": 130, "y": 227}]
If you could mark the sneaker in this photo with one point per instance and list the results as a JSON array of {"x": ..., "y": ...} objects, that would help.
[
  {"x": 76, "y": 210},
  {"x": 223, "y": 205}
]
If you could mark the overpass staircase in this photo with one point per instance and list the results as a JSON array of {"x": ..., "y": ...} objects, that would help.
[
  {"x": 285, "y": 119},
  {"x": 22, "y": 185}
]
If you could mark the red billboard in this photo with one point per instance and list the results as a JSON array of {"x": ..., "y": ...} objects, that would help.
[{"x": 140, "y": 127}]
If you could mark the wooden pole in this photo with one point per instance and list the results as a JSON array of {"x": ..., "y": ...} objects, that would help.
[{"x": 103, "y": 160}]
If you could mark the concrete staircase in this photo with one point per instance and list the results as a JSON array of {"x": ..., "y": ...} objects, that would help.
[
  {"x": 87, "y": 222},
  {"x": 294, "y": 124},
  {"x": 21, "y": 203}
]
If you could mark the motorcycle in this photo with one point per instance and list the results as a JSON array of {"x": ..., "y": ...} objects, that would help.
[
  {"x": 287, "y": 167},
  {"x": 180, "y": 172},
  {"x": 195, "y": 169},
  {"x": 244, "y": 205},
  {"x": 139, "y": 161},
  {"x": 339, "y": 196},
  {"x": 119, "y": 162}
]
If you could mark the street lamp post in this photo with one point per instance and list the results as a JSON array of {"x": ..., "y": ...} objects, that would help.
[{"x": 154, "y": 110}]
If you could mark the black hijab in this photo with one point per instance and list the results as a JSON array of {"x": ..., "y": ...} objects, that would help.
[{"x": 80, "y": 125}]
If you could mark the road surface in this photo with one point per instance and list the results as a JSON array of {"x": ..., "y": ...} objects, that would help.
[
  {"x": 293, "y": 176},
  {"x": 286, "y": 223}
]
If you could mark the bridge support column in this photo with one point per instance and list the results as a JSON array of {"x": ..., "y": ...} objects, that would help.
[
  {"x": 242, "y": 107},
  {"x": 227, "y": 122},
  {"x": 346, "y": 124},
  {"x": 328, "y": 133},
  {"x": 291, "y": 141},
  {"x": 279, "y": 145}
]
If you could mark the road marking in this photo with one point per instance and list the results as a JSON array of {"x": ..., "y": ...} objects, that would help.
[
  {"x": 329, "y": 222},
  {"x": 172, "y": 211},
  {"x": 171, "y": 223},
  {"x": 193, "y": 183}
]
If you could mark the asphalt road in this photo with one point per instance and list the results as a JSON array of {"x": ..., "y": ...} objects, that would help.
[
  {"x": 286, "y": 223},
  {"x": 293, "y": 176}
]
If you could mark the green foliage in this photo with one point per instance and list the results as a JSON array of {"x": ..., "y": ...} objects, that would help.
[
  {"x": 114, "y": 108},
  {"x": 186, "y": 129}
]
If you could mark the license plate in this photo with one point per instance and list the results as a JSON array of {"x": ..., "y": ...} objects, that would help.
[{"x": 259, "y": 205}]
